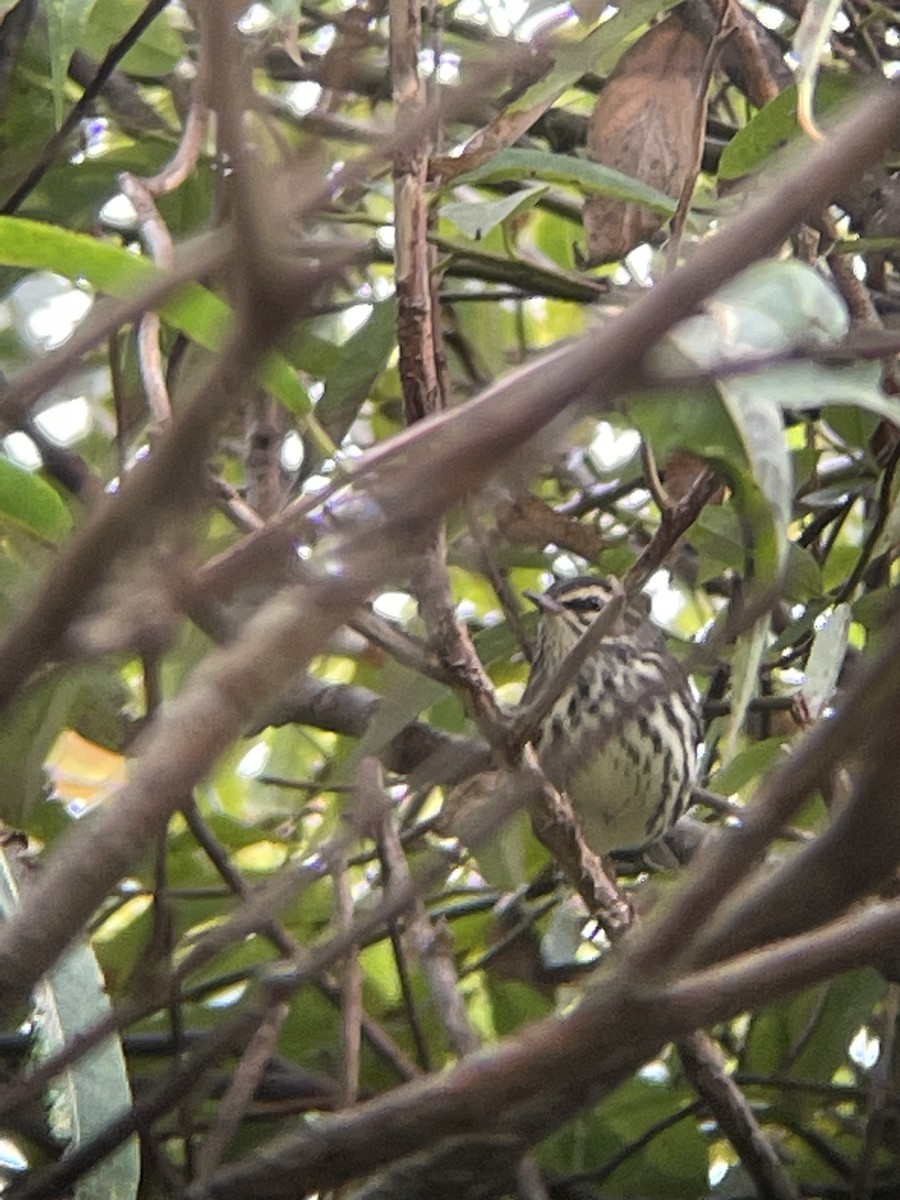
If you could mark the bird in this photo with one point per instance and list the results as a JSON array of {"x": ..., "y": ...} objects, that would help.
[{"x": 621, "y": 738}]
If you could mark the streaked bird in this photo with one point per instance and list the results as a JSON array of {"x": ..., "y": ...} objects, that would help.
[{"x": 621, "y": 739}]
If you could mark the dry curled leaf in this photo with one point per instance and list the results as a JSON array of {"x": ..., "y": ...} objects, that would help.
[
  {"x": 645, "y": 124},
  {"x": 529, "y": 521},
  {"x": 682, "y": 472}
]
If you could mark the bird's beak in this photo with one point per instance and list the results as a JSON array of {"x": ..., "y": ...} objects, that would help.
[{"x": 545, "y": 603}]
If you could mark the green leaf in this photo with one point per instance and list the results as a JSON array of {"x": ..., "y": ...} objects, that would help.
[
  {"x": 72, "y": 194},
  {"x": 574, "y": 172},
  {"x": 747, "y": 446},
  {"x": 745, "y": 660},
  {"x": 28, "y": 731},
  {"x": 826, "y": 657},
  {"x": 718, "y": 538},
  {"x": 808, "y": 1035},
  {"x": 802, "y": 576},
  {"x": 193, "y": 309},
  {"x": 94, "y": 1090},
  {"x": 776, "y": 124},
  {"x": 502, "y": 857},
  {"x": 158, "y": 50},
  {"x": 514, "y": 1004},
  {"x": 805, "y": 385},
  {"x": 874, "y": 609},
  {"x": 26, "y": 121},
  {"x": 597, "y": 51},
  {"x": 89, "y": 695},
  {"x": 766, "y": 310},
  {"x": 357, "y": 365},
  {"x": 687, "y": 418},
  {"x": 31, "y": 503},
  {"x": 673, "y": 1164},
  {"x": 65, "y": 20},
  {"x": 773, "y": 305},
  {"x": 476, "y": 220},
  {"x": 853, "y": 425},
  {"x": 749, "y": 765},
  {"x": 758, "y": 421}
]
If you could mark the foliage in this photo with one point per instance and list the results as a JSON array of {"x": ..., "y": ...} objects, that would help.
[{"x": 307, "y": 385}]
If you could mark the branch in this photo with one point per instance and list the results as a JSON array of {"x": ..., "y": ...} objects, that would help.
[{"x": 614, "y": 1030}]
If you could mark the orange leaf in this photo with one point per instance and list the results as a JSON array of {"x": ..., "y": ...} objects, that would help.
[{"x": 81, "y": 771}]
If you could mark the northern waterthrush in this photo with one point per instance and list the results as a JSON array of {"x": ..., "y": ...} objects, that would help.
[{"x": 621, "y": 738}]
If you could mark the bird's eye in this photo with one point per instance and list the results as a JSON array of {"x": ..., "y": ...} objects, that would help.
[{"x": 585, "y": 604}]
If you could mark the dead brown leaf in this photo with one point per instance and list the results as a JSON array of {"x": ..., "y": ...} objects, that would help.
[{"x": 645, "y": 124}]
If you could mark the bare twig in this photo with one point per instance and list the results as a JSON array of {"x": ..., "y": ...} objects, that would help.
[
  {"x": 704, "y": 1067},
  {"x": 430, "y": 945},
  {"x": 351, "y": 987},
  {"x": 881, "y": 1096},
  {"x": 556, "y": 826},
  {"x": 246, "y": 1079},
  {"x": 675, "y": 520},
  {"x": 155, "y": 232},
  {"x": 724, "y": 31}
]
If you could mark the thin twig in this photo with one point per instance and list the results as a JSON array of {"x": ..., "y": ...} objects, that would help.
[
  {"x": 722, "y": 34},
  {"x": 351, "y": 987},
  {"x": 430, "y": 944},
  {"x": 882, "y": 1098},
  {"x": 244, "y": 1083}
]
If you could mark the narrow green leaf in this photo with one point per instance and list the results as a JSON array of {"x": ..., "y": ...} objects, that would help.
[
  {"x": 476, "y": 220},
  {"x": 574, "y": 172},
  {"x": 826, "y": 657},
  {"x": 745, "y": 662},
  {"x": 757, "y": 417},
  {"x": 94, "y": 1090},
  {"x": 599, "y": 50}
]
